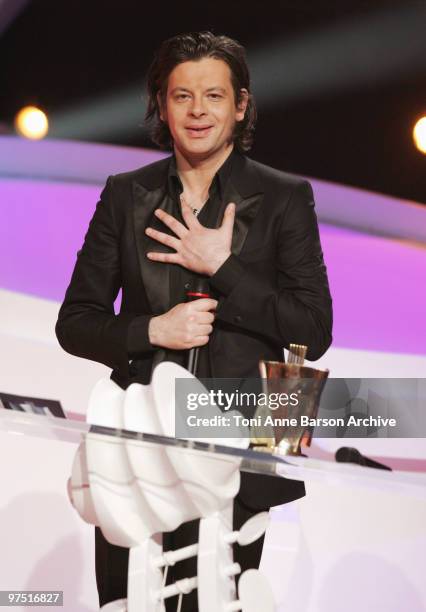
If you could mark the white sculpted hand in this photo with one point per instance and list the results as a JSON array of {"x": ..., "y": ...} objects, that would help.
[
  {"x": 198, "y": 248},
  {"x": 183, "y": 326}
]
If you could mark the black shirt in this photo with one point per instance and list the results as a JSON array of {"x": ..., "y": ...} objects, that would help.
[{"x": 181, "y": 279}]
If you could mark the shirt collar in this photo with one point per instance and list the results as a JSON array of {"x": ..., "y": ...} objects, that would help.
[{"x": 220, "y": 179}]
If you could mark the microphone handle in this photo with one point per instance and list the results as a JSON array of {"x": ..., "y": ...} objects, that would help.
[{"x": 193, "y": 360}]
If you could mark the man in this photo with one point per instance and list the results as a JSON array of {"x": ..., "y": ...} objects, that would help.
[{"x": 206, "y": 211}]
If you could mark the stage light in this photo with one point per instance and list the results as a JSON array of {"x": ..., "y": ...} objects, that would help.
[
  {"x": 31, "y": 123},
  {"x": 419, "y": 134}
]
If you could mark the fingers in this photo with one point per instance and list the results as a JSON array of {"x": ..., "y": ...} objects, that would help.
[
  {"x": 172, "y": 223},
  {"x": 166, "y": 239},
  {"x": 199, "y": 341},
  {"x": 204, "y": 304},
  {"x": 196, "y": 331},
  {"x": 206, "y": 318},
  {"x": 204, "y": 330},
  {"x": 165, "y": 257}
]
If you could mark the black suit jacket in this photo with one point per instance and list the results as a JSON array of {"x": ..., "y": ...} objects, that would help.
[{"x": 273, "y": 288}]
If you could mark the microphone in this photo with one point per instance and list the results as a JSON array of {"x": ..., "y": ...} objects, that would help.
[
  {"x": 199, "y": 289},
  {"x": 347, "y": 454}
]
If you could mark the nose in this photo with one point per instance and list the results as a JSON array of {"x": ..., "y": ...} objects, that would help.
[{"x": 197, "y": 107}]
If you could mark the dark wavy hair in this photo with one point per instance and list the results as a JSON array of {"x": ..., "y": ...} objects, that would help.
[{"x": 193, "y": 47}]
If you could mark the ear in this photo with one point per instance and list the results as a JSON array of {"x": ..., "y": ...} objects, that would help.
[
  {"x": 242, "y": 105},
  {"x": 162, "y": 112}
]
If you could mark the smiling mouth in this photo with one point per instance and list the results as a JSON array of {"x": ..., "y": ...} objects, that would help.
[{"x": 198, "y": 131}]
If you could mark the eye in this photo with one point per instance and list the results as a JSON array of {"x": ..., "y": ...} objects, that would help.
[
  {"x": 182, "y": 96},
  {"x": 215, "y": 96}
]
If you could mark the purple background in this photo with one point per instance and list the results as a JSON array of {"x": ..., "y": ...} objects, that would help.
[{"x": 377, "y": 283}]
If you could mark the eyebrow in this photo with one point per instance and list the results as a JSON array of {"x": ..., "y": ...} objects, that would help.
[{"x": 209, "y": 89}]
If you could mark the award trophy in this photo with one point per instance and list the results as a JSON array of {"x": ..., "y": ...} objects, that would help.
[{"x": 293, "y": 392}]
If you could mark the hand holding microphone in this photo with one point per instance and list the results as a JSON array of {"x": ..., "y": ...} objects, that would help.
[
  {"x": 199, "y": 291},
  {"x": 184, "y": 326}
]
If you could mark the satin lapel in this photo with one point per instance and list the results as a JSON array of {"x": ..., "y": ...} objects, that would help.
[
  {"x": 246, "y": 211},
  {"x": 155, "y": 275}
]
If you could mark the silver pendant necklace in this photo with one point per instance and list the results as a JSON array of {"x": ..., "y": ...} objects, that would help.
[{"x": 195, "y": 211}]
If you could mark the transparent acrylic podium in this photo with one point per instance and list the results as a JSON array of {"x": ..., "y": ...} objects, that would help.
[
  {"x": 137, "y": 485},
  {"x": 173, "y": 481}
]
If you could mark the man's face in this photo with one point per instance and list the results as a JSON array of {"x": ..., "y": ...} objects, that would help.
[{"x": 200, "y": 108}]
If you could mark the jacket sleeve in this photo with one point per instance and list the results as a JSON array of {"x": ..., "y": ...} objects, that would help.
[
  {"x": 87, "y": 325},
  {"x": 298, "y": 307}
]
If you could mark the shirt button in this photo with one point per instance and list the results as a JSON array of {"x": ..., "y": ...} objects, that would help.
[
  {"x": 237, "y": 319},
  {"x": 187, "y": 285}
]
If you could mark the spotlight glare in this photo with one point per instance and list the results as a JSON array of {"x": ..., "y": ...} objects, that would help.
[
  {"x": 419, "y": 134},
  {"x": 31, "y": 122}
]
